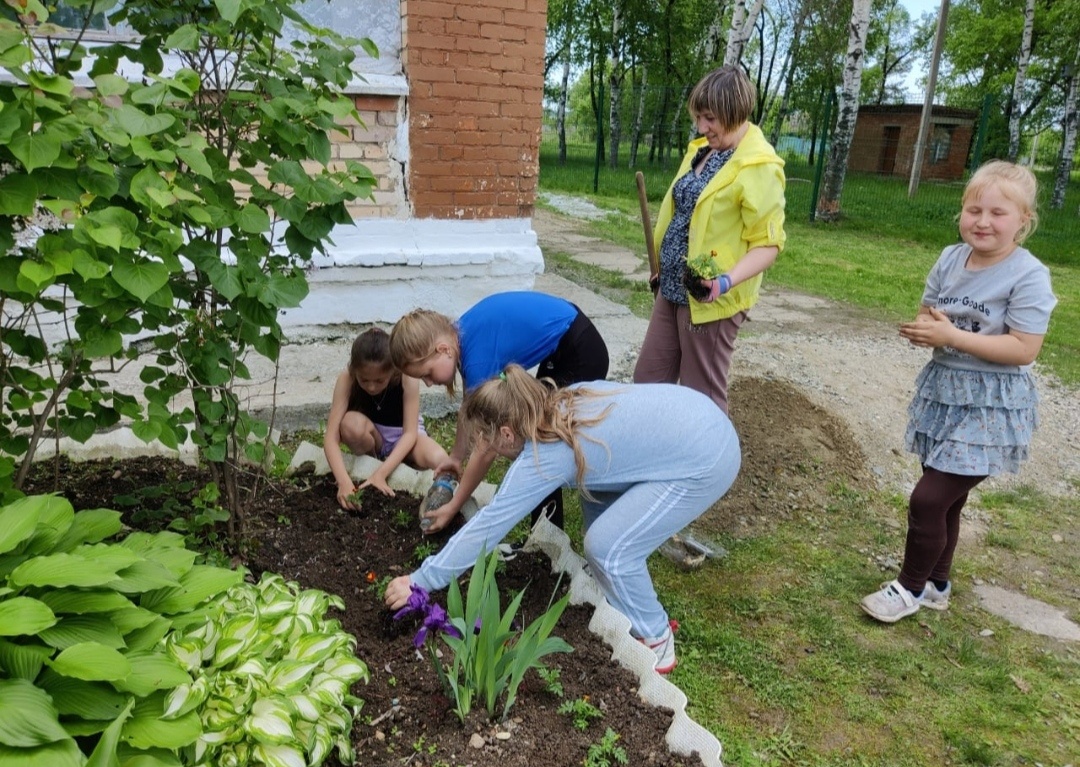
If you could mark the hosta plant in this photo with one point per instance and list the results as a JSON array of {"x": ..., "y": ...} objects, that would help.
[
  {"x": 83, "y": 674},
  {"x": 270, "y": 677},
  {"x": 490, "y": 654}
]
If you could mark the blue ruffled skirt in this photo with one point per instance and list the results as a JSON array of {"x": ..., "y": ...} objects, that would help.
[{"x": 971, "y": 422}]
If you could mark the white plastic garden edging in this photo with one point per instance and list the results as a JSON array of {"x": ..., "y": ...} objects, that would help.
[{"x": 685, "y": 736}]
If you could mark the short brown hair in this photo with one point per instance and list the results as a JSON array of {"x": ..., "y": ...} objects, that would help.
[{"x": 727, "y": 94}]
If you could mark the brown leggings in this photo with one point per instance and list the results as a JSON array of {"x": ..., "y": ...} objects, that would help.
[{"x": 933, "y": 527}]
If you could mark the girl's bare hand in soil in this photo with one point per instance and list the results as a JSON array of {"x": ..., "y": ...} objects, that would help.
[
  {"x": 929, "y": 330},
  {"x": 378, "y": 482},
  {"x": 346, "y": 497},
  {"x": 397, "y": 592}
]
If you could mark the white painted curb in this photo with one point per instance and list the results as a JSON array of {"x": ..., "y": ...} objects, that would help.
[{"x": 685, "y": 736}]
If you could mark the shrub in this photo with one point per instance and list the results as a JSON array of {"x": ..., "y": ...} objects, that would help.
[{"x": 80, "y": 627}]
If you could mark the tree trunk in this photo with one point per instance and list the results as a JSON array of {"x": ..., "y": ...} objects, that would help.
[
  {"x": 1018, "y": 83},
  {"x": 615, "y": 88},
  {"x": 787, "y": 73},
  {"x": 742, "y": 25},
  {"x": 828, "y": 204},
  {"x": 1068, "y": 140},
  {"x": 560, "y": 120},
  {"x": 639, "y": 117}
]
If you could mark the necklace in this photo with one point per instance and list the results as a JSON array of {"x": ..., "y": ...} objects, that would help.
[{"x": 382, "y": 399}]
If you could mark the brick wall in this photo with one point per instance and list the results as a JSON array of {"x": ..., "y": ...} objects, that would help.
[
  {"x": 867, "y": 147},
  {"x": 475, "y": 72},
  {"x": 374, "y": 143}
]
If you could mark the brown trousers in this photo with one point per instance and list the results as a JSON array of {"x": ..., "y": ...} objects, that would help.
[{"x": 698, "y": 356}]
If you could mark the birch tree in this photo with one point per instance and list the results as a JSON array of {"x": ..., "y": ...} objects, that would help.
[
  {"x": 1018, "y": 83},
  {"x": 615, "y": 80},
  {"x": 1068, "y": 140},
  {"x": 828, "y": 205},
  {"x": 743, "y": 20}
]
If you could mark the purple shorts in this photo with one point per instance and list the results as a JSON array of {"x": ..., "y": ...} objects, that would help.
[{"x": 391, "y": 435}]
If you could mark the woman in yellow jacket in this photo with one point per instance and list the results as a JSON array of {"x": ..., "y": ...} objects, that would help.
[{"x": 727, "y": 202}]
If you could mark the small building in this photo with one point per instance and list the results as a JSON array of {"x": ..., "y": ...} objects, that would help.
[{"x": 885, "y": 136}]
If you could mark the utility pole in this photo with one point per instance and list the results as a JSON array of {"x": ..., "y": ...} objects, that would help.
[{"x": 928, "y": 102}]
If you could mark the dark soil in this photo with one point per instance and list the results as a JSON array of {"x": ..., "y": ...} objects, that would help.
[
  {"x": 298, "y": 531},
  {"x": 795, "y": 454}
]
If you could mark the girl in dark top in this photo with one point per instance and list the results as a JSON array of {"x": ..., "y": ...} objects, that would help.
[{"x": 376, "y": 411}]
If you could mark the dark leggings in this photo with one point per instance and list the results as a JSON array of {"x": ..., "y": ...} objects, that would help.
[
  {"x": 933, "y": 527},
  {"x": 580, "y": 356}
]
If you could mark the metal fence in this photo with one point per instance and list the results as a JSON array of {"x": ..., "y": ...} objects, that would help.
[{"x": 877, "y": 193}]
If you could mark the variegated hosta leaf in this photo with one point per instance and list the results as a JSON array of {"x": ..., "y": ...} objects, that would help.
[
  {"x": 146, "y": 728},
  {"x": 271, "y": 721},
  {"x": 307, "y": 707},
  {"x": 322, "y": 740},
  {"x": 288, "y": 676},
  {"x": 347, "y": 668},
  {"x": 188, "y": 652},
  {"x": 315, "y": 647},
  {"x": 312, "y": 603},
  {"x": 280, "y": 755},
  {"x": 346, "y": 755},
  {"x": 186, "y": 697}
]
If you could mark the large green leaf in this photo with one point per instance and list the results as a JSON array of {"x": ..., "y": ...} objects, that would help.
[
  {"x": 55, "y": 516},
  {"x": 62, "y": 753},
  {"x": 229, "y": 9},
  {"x": 90, "y": 526},
  {"x": 18, "y": 194},
  {"x": 61, "y": 570},
  {"x": 78, "y": 629},
  {"x": 151, "y": 671},
  {"x": 199, "y": 583},
  {"x": 138, "y": 123},
  {"x": 104, "y": 753},
  {"x": 140, "y": 278},
  {"x": 80, "y": 602},
  {"x": 27, "y": 715},
  {"x": 35, "y": 150},
  {"x": 23, "y": 661},
  {"x": 142, "y": 577},
  {"x": 18, "y": 520},
  {"x": 76, "y": 697},
  {"x": 146, "y": 728},
  {"x": 24, "y": 616},
  {"x": 91, "y": 662}
]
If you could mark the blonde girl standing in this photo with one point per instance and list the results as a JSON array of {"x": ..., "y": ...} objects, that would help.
[
  {"x": 985, "y": 310},
  {"x": 376, "y": 411}
]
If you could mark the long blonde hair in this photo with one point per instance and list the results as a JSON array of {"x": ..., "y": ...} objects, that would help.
[
  {"x": 414, "y": 337},
  {"x": 535, "y": 410},
  {"x": 1016, "y": 182}
]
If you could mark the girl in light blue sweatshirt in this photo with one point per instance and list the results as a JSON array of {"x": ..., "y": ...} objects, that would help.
[{"x": 648, "y": 460}]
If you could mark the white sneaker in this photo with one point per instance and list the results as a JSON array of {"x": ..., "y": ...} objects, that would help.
[
  {"x": 936, "y": 600},
  {"x": 931, "y": 598},
  {"x": 891, "y": 603},
  {"x": 664, "y": 647}
]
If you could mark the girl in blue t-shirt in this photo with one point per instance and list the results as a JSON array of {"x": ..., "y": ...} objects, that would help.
[
  {"x": 985, "y": 310},
  {"x": 526, "y": 328}
]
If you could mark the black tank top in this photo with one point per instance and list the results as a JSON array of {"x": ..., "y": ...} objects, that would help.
[{"x": 386, "y": 409}]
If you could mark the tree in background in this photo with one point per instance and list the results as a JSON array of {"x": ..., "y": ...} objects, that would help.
[{"x": 828, "y": 204}]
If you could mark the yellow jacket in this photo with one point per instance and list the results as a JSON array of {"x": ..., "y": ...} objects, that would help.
[{"x": 742, "y": 207}]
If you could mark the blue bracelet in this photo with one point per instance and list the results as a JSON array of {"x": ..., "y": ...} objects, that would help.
[{"x": 725, "y": 284}]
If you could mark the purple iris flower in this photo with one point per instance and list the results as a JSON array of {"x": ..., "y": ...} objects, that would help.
[
  {"x": 418, "y": 603},
  {"x": 435, "y": 620}
]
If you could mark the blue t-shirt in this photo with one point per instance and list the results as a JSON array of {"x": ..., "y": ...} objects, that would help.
[{"x": 522, "y": 327}]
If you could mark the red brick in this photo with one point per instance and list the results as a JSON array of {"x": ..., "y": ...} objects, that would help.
[
  {"x": 455, "y": 91},
  {"x": 375, "y": 103},
  {"x": 533, "y": 82},
  {"x": 486, "y": 13},
  {"x": 479, "y": 45},
  {"x": 463, "y": 28},
  {"x": 418, "y": 9},
  {"x": 501, "y": 32},
  {"x": 500, "y": 94},
  {"x": 526, "y": 111},
  {"x": 455, "y": 183},
  {"x": 507, "y": 63},
  {"x": 525, "y": 19},
  {"x": 427, "y": 41},
  {"x": 479, "y": 76},
  {"x": 433, "y": 26}
]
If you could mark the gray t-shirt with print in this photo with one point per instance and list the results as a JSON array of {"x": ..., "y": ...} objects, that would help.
[{"x": 1012, "y": 294}]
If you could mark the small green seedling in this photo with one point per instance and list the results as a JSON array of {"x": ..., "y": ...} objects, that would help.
[
  {"x": 550, "y": 677},
  {"x": 356, "y": 497},
  {"x": 606, "y": 753},
  {"x": 703, "y": 265},
  {"x": 581, "y": 711}
]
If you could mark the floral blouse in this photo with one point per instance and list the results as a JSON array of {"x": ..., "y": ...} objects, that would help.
[{"x": 675, "y": 243}]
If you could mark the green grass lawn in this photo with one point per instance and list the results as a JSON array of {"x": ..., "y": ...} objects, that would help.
[{"x": 776, "y": 658}]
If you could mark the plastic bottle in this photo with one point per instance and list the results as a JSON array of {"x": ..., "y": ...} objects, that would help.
[{"x": 441, "y": 493}]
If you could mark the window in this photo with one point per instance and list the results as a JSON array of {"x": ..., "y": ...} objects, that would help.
[{"x": 940, "y": 143}]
